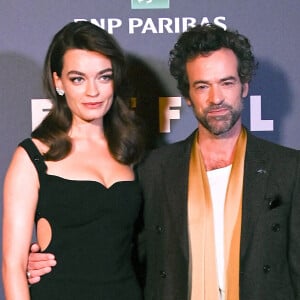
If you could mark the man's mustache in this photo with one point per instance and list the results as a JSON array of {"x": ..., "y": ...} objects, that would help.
[{"x": 217, "y": 107}]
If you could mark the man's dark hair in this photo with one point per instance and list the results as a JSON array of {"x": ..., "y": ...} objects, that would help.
[{"x": 201, "y": 40}]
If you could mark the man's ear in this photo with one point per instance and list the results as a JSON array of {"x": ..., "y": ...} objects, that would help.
[
  {"x": 188, "y": 102},
  {"x": 245, "y": 89}
]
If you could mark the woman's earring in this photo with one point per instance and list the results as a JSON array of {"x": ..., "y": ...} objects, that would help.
[{"x": 59, "y": 91}]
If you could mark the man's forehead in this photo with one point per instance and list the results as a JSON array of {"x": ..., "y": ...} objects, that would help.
[{"x": 218, "y": 65}]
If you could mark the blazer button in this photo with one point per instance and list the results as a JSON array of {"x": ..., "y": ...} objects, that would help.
[
  {"x": 273, "y": 203},
  {"x": 267, "y": 268},
  {"x": 276, "y": 227},
  {"x": 159, "y": 229},
  {"x": 163, "y": 274}
]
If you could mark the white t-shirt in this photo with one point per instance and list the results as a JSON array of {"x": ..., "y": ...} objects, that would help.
[{"x": 218, "y": 181}]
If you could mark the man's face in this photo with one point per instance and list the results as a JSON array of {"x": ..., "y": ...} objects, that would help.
[{"x": 216, "y": 91}]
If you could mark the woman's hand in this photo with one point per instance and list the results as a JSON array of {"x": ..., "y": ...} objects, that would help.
[{"x": 39, "y": 264}]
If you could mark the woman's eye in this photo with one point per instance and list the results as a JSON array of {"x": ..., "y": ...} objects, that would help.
[
  {"x": 106, "y": 77},
  {"x": 76, "y": 79}
]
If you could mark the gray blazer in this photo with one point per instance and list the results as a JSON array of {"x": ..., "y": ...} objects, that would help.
[{"x": 270, "y": 237}]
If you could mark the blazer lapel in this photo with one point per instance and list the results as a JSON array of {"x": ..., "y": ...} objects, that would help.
[
  {"x": 176, "y": 183},
  {"x": 256, "y": 174}
]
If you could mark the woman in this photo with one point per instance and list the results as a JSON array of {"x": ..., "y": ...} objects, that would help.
[{"x": 75, "y": 177}]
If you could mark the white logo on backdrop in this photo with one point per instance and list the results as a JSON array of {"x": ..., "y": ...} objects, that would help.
[
  {"x": 155, "y": 25},
  {"x": 39, "y": 110},
  {"x": 169, "y": 109}
]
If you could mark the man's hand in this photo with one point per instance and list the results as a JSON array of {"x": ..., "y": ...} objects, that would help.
[{"x": 39, "y": 264}]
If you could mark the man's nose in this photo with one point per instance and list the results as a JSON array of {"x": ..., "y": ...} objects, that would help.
[{"x": 216, "y": 95}]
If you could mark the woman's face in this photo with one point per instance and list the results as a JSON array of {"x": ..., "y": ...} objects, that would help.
[{"x": 87, "y": 80}]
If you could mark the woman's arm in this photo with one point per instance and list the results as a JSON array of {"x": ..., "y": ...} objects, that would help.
[{"x": 20, "y": 196}]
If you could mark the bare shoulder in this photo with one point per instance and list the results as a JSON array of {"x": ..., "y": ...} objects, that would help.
[{"x": 21, "y": 164}]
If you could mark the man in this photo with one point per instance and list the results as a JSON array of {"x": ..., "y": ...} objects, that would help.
[{"x": 222, "y": 208}]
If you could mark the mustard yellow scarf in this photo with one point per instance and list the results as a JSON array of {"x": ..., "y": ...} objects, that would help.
[{"x": 203, "y": 271}]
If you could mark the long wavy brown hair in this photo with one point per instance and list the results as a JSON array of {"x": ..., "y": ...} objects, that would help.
[{"x": 122, "y": 128}]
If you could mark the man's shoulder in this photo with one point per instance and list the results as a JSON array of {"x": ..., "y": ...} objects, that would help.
[
  {"x": 168, "y": 153},
  {"x": 174, "y": 148},
  {"x": 259, "y": 144}
]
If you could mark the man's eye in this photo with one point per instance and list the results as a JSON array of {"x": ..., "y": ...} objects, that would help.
[
  {"x": 201, "y": 87},
  {"x": 228, "y": 83}
]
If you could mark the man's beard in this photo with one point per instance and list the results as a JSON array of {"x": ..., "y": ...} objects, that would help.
[{"x": 218, "y": 125}]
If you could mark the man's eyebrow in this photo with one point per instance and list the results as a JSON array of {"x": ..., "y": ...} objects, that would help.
[
  {"x": 200, "y": 81},
  {"x": 228, "y": 78},
  {"x": 208, "y": 81}
]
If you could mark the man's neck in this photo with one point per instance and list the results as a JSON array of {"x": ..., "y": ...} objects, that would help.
[{"x": 218, "y": 151}]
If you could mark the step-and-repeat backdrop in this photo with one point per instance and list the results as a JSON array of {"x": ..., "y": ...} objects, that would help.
[{"x": 147, "y": 30}]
